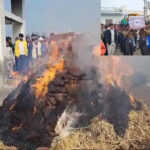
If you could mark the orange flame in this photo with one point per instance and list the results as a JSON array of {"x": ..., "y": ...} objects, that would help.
[
  {"x": 132, "y": 100},
  {"x": 73, "y": 84},
  {"x": 97, "y": 51},
  {"x": 17, "y": 77},
  {"x": 114, "y": 70},
  {"x": 15, "y": 74},
  {"x": 55, "y": 52},
  {"x": 110, "y": 80},
  {"x": 34, "y": 110},
  {"x": 54, "y": 65},
  {"x": 42, "y": 83},
  {"x": 17, "y": 128},
  {"x": 13, "y": 106}
]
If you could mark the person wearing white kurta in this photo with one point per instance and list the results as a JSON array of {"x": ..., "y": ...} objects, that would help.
[{"x": 112, "y": 47}]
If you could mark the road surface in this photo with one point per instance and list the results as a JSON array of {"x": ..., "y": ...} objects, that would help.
[{"x": 136, "y": 53}]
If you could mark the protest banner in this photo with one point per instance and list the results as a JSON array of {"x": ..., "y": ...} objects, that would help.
[{"x": 136, "y": 22}]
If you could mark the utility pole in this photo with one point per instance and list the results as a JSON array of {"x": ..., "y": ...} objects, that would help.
[{"x": 145, "y": 7}]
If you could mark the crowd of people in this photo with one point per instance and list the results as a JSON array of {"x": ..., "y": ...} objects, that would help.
[
  {"x": 126, "y": 40},
  {"x": 26, "y": 53},
  {"x": 21, "y": 55}
]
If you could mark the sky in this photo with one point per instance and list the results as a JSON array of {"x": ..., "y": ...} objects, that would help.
[
  {"x": 61, "y": 15},
  {"x": 131, "y": 4}
]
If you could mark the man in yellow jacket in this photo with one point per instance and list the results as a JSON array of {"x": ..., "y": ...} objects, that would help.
[{"x": 21, "y": 52}]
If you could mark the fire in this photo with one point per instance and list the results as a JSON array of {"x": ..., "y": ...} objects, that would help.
[
  {"x": 132, "y": 99},
  {"x": 114, "y": 70},
  {"x": 73, "y": 84},
  {"x": 110, "y": 80},
  {"x": 15, "y": 74},
  {"x": 55, "y": 65},
  {"x": 41, "y": 86},
  {"x": 17, "y": 128},
  {"x": 113, "y": 76},
  {"x": 97, "y": 51},
  {"x": 18, "y": 77},
  {"x": 55, "y": 52},
  {"x": 34, "y": 110},
  {"x": 13, "y": 106}
]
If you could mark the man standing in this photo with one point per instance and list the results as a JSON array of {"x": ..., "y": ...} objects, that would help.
[
  {"x": 130, "y": 40},
  {"x": 104, "y": 40},
  {"x": 51, "y": 40},
  {"x": 29, "y": 57},
  {"x": 122, "y": 39},
  {"x": 111, "y": 38},
  {"x": 8, "y": 39},
  {"x": 142, "y": 41},
  {"x": 36, "y": 50},
  {"x": 147, "y": 30},
  {"x": 9, "y": 61},
  {"x": 21, "y": 52},
  {"x": 43, "y": 47}
]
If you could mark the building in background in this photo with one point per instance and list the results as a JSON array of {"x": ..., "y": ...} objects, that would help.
[
  {"x": 16, "y": 19},
  {"x": 115, "y": 14}
]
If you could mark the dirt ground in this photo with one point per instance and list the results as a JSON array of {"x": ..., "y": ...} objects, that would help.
[{"x": 5, "y": 89}]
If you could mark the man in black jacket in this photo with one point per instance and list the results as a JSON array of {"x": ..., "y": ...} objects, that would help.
[{"x": 111, "y": 39}]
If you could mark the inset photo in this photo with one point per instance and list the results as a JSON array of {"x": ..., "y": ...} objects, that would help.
[{"x": 125, "y": 27}]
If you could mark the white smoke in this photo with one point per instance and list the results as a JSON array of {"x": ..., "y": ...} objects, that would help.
[{"x": 66, "y": 121}]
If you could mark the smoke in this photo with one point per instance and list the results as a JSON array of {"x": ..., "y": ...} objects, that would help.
[
  {"x": 92, "y": 98},
  {"x": 141, "y": 78},
  {"x": 132, "y": 71},
  {"x": 66, "y": 122},
  {"x": 83, "y": 46},
  {"x": 140, "y": 66}
]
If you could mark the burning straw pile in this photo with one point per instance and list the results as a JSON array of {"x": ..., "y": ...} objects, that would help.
[
  {"x": 30, "y": 113},
  {"x": 100, "y": 134},
  {"x": 64, "y": 107}
]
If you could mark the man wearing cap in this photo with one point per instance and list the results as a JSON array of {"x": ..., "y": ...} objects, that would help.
[{"x": 21, "y": 52}]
